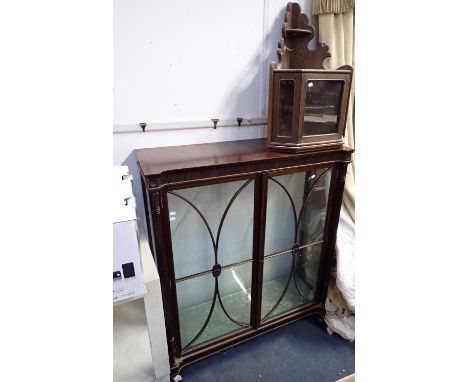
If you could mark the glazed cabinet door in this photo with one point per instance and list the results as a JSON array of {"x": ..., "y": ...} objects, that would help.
[
  {"x": 211, "y": 234},
  {"x": 296, "y": 211}
]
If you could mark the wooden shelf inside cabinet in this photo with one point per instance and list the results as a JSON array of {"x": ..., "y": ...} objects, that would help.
[{"x": 243, "y": 238}]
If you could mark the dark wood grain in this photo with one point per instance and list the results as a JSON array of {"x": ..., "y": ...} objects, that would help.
[
  {"x": 296, "y": 32},
  {"x": 288, "y": 95},
  {"x": 163, "y": 165},
  {"x": 298, "y": 141}
]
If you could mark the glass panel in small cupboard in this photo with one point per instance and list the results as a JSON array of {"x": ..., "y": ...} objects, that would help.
[
  {"x": 322, "y": 106},
  {"x": 285, "y": 108}
]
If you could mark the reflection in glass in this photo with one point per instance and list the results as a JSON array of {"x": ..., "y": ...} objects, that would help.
[
  {"x": 280, "y": 216},
  {"x": 192, "y": 245},
  {"x": 322, "y": 106},
  {"x": 307, "y": 270},
  {"x": 315, "y": 208},
  {"x": 234, "y": 289},
  {"x": 235, "y": 241},
  {"x": 296, "y": 212},
  {"x": 195, "y": 300},
  {"x": 286, "y": 103},
  {"x": 276, "y": 271}
]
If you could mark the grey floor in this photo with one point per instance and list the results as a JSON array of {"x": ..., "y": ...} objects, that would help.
[
  {"x": 132, "y": 352},
  {"x": 300, "y": 351},
  {"x": 191, "y": 319}
]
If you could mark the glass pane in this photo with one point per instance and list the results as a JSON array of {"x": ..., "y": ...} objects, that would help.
[
  {"x": 315, "y": 209},
  {"x": 195, "y": 298},
  {"x": 280, "y": 221},
  {"x": 234, "y": 285},
  {"x": 307, "y": 270},
  {"x": 192, "y": 246},
  {"x": 286, "y": 106},
  {"x": 322, "y": 106},
  {"x": 275, "y": 276},
  {"x": 235, "y": 242},
  {"x": 302, "y": 284}
]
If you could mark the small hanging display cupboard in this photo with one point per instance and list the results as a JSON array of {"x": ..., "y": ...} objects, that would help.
[{"x": 307, "y": 103}]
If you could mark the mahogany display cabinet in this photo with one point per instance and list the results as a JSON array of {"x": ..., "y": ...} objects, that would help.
[{"x": 243, "y": 238}]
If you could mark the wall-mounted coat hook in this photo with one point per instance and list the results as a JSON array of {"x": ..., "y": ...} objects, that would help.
[
  {"x": 215, "y": 122},
  {"x": 143, "y": 126},
  {"x": 239, "y": 121}
]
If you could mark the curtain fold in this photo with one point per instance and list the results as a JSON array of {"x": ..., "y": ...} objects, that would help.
[
  {"x": 320, "y": 7},
  {"x": 337, "y": 31}
]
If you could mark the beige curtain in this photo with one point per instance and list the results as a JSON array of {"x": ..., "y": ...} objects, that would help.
[{"x": 336, "y": 29}]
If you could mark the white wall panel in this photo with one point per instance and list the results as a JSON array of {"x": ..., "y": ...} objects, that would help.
[{"x": 179, "y": 60}]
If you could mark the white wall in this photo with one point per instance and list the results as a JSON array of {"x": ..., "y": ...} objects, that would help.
[
  {"x": 177, "y": 60},
  {"x": 180, "y": 63},
  {"x": 187, "y": 60}
]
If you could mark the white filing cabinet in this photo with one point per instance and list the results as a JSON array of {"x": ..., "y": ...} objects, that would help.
[
  {"x": 135, "y": 277},
  {"x": 127, "y": 275}
]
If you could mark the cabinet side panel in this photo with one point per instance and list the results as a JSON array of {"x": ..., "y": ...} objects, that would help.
[
  {"x": 148, "y": 219},
  {"x": 166, "y": 269}
]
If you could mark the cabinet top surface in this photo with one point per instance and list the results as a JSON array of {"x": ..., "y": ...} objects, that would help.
[{"x": 154, "y": 161}]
